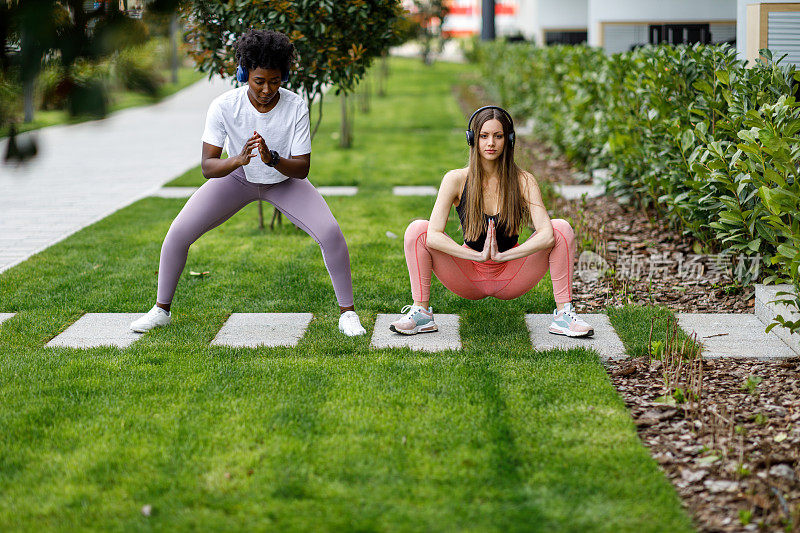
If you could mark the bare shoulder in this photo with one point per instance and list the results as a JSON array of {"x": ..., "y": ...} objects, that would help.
[
  {"x": 453, "y": 181},
  {"x": 457, "y": 176},
  {"x": 529, "y": 183}
]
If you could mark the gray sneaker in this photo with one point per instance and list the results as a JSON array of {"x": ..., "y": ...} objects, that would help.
[{"x": 417, "y": 319}]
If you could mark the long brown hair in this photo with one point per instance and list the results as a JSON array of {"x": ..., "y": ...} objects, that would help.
[{"x": 513, "y": 211}]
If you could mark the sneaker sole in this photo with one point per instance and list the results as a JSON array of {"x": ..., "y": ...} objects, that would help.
[
  {"x": 418, "y": 329},
  {"x": 568, "y": 333},
  {"x": 145, "y": 330},
  {"x": 357, "y": 334}
]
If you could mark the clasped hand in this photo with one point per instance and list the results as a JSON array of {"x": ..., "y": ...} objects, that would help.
[
  {"x": 256, "y": 141},
  {"x": 490, "y": 250}
]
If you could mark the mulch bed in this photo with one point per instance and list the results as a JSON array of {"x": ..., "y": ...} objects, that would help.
[
  {"x": 735, "y": 460},
  {"x": 734, "y": 455}
]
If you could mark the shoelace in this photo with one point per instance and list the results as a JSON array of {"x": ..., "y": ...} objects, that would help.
[
  {"x": 352, "y": 320},
  {"x": 408, "y": 312},
  {"x": 572, "y": 314}
]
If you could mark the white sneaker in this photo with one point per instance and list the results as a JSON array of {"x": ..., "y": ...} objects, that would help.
[
  {"x": 152, "y": 319},
  {"x": 416, "y": 320},
  {"x": 567, "y": 322},
  {"x": 350, "y": 325}
]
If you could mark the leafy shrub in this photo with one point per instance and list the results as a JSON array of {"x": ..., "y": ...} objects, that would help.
[
  {"x": 688, "y": 130},
  {"x": 10, "y": 99},
  {"x": 138, "y": 68},
  {"x": 88, "y": 88}
]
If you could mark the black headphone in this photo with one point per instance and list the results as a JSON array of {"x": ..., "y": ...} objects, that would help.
[{"x": 471, "y": 136}]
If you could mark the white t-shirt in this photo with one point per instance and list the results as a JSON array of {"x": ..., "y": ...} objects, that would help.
[{"x": 231, "y": 120}]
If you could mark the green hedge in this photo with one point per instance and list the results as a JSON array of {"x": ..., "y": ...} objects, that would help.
[{"x": 689, "y": 130}]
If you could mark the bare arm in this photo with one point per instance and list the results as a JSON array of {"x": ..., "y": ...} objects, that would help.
[
  {"x": 543, "y": 237},
  {"x": 296, "y": 166},
  {"x": 437, "y": 238},
  {"x": 214, "y": 167}
]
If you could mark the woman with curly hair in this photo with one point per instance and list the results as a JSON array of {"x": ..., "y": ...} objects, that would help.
[
  {"x": 265, "y": 130},
  {"x": 493, "y": 198}
]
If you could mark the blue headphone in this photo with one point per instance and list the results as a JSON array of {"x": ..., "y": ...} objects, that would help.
[
  {"x": 471, "y": 135},
  {"x": 242, "y": 74}
]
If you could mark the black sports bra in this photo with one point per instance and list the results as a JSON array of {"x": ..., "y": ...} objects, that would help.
[{"x": 505, "y": 241}]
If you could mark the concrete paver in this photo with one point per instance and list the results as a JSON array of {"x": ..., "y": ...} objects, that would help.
[
  {"x": 605, "y": 339},
  {"x": 415, "y": 190},
  {"x": 84, "y": 172},
  {"x": 734, "y": 335},
  {"x": 99, "y": 329},
  {"x": 766, "y": 311},
  {"x": 338, "y": 190},
  {"x": 447, "y": 338},
  {"x": 574, "y": 192},
  {"x": 175, "y": 192},
  {"x": 6, "y": 316},
  {"x": 250, "y": 330}
]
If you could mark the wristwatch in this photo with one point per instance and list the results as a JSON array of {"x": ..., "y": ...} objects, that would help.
[{"x": 274, "y": 158}]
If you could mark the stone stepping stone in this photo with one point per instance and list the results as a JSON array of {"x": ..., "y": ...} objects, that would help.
[
  {"x": 175, "y": 192},
  {"x": 605, "y": 339},
  {"x": 338, "y": 191},
  {"x": 765, "y": 311},
  {"x": 733, "y": 335},
  {"x": 251, "y": 330},
  {"x": 5, "y": 316},
  {"x": 447, "y": 338},
  {"x": 99, "y": 329},
  {"x": 416, "y": 190},
  {"x": 601, "y": 174},
  {"x": 574, "y": 192}
]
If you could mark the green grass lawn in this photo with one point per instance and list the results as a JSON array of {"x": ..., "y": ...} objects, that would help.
[
  {"x": 119, "y": 100},
  {"x": 330, "y": 435}
]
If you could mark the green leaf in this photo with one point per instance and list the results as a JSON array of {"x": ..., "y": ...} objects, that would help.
[{"x": 687, "y": 140}]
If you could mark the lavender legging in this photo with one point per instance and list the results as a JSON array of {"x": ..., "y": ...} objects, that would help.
[{"x": 220, "y": 198}]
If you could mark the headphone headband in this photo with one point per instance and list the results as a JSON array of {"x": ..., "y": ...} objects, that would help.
[
  {"x": 242, "y": 74},
  {"x": 471, "y": 136}
]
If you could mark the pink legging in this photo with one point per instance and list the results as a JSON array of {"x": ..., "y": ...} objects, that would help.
[{"x": 474, "y": 280}]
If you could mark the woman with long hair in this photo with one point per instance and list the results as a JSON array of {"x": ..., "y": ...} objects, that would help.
[
  {"x": 493, "y": 198},
  {"x": 265, "y": 131}
]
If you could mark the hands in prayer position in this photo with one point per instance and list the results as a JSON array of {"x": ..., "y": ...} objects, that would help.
[
  {"x": 246, "y": 155},
  {"x": 490, "y": 250}
]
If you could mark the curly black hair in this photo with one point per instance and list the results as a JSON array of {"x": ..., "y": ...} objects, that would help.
[{"x": 265, "y": 49}]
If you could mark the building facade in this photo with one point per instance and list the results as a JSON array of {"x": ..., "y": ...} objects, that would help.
[{"x": 768, "y": 24}]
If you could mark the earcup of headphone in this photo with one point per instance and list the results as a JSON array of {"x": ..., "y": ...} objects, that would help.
[
  {"x": 511, "y": 138},
  {"x": 241, "y": 74},
  {"x": 470, "y": 138}
]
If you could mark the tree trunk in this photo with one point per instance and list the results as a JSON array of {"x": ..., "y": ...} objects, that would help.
[
  {"x": 365, "y": 95},
  {"x": 28, "y": 97},
  {"x": 173, "y": 44},
  {"x": 384, "y": 75},
  {"x": 345, "y": 131},
  {"x": 260, "y": 215}
]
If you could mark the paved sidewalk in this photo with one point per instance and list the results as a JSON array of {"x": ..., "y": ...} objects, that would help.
[{"x": 84, "y": 172}]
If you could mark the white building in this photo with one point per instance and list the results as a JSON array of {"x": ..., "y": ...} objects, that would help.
[
  {"x": 768, "y": 24},
  {"x": 619, "y": 25},
  {"x": 550, "y": 21}
]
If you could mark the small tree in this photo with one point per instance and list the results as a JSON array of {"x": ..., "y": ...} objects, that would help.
[
  {"x": 335, "y": 40},
  {"x": 429, "y": 15}
]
